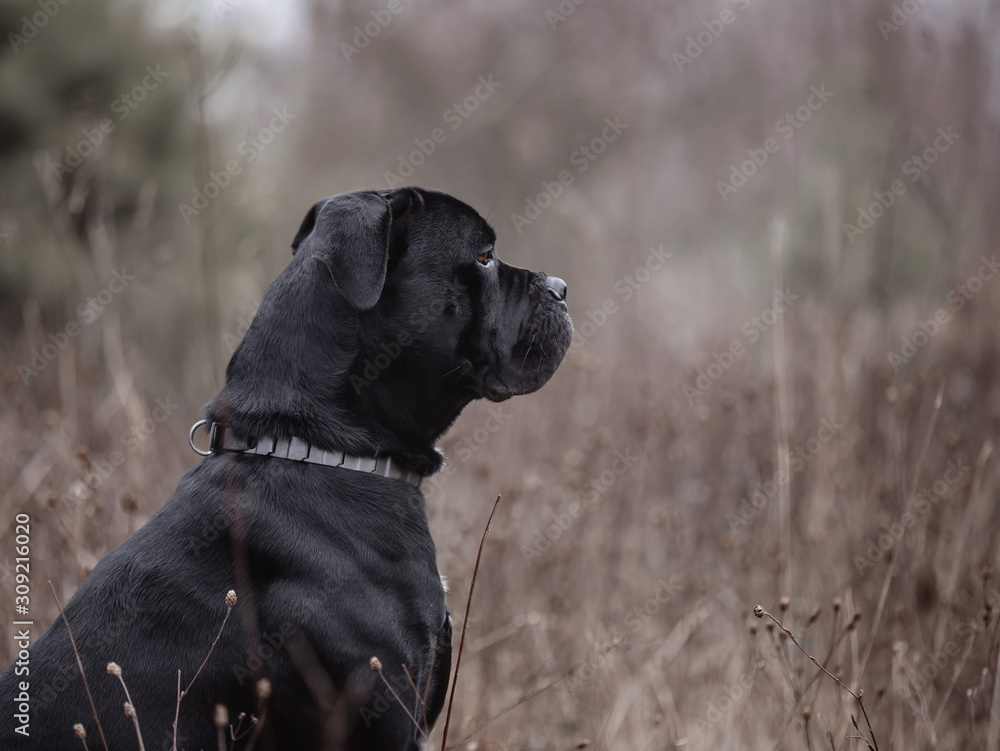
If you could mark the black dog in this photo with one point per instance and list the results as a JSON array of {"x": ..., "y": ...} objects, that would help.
[{"x": 392, "y": 316}]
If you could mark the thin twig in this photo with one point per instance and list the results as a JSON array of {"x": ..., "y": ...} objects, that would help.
[
  {"x": 258, "y": 727},
  {"x": 514, "y": 704},
  {"x": 177, "y": 711},
  {"x": 205, "y": 661},
  {"x": 760, "y": 613},
  {"x": 230, "y": 604},
  {"x": 834, "y": 641},
  {"x": 130, "y": 710},
  {"x": 79, "y": 663},
  {"x": 465, "y": 625},
  {"x": 413, "y": 685},
  {"x": 263, "y": 694},
  {"x": 420, "y": 699},
  {"x": 860, "y": 736},
  {"x": 376, "y": 665},
  {"x": 427, "y": 686}
]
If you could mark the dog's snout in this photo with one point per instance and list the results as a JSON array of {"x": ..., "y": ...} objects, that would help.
[{"x": 556, "y": 287}]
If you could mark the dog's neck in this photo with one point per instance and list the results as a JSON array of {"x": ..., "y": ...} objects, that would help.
[
  {"x": 392, "y": 429},
  {"x": 409, "y": 423},
  {"x": 292, "y": 376}
]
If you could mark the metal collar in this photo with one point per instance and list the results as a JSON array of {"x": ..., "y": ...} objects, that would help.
[{"x": 221, "y": 440}]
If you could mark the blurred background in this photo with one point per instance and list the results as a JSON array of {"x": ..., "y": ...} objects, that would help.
[{"x": 778, "y": 223}]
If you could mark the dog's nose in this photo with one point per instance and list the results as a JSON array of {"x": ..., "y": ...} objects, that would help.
[{"x": 556, "y": 287}]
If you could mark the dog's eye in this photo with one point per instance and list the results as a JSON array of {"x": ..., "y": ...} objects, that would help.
[{"x": 484, "y": 257}]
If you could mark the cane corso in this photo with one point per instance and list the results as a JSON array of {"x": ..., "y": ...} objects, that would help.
[{"x": 394, "y": 313}]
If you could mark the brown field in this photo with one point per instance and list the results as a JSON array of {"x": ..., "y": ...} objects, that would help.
[{"x": 852, "y": 495}]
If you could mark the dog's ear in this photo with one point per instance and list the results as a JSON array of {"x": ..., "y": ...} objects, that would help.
[
  {"x": 307, "y": 225},
  {"x": 351, "y": 234},
  {"x": 402, "y": 202}
]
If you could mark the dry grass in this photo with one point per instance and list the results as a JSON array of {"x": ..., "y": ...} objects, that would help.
[{"x": 633, "y": 628}]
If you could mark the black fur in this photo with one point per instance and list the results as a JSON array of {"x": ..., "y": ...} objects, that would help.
[{"x": 381, "y": 329}]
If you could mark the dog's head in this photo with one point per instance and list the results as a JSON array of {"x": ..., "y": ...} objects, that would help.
[{"x": 394, "y": 313}]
